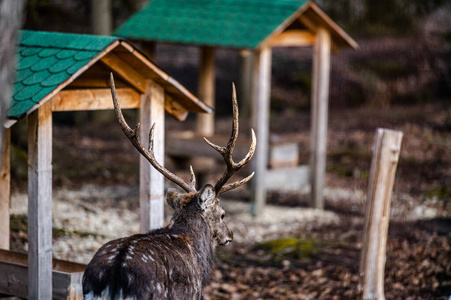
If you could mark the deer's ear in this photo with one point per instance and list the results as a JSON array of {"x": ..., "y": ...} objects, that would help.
[
  {"x": 171, "y": 197},
  {"x": 206, "y": 196}
]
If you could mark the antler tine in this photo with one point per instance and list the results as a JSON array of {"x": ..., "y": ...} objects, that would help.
[
  {"x": 193, "y": 177},
  {"x": 236, "y": 184},
  {"x": 133, "y": 136},
  {"x": 227, "y": 151}
]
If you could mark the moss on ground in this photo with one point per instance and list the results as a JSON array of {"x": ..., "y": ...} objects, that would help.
[{"x": 290, "y": 248}]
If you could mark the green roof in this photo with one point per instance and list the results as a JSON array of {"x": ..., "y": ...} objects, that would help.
[
  {"x": 47, "y": 59},
  {"x": 226, "y": 23}
]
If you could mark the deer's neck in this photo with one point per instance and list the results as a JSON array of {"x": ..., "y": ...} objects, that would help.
[{"x": 197, "y": 228}]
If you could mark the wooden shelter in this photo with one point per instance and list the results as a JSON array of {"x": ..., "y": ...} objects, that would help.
[
  {"x": 253, "y": 27},
  {"x": 70, "y": 72}
]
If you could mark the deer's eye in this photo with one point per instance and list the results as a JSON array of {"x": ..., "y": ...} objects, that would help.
[{"x": 223, "y": 216}]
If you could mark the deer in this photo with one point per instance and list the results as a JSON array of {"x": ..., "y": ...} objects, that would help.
[{"x": 174, "y": 262}]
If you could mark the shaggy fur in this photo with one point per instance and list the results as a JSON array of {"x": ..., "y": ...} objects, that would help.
[{"x": 169, "y": 263}]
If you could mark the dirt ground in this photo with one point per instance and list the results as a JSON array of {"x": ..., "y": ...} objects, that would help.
[{"x": 292, "y": 251}]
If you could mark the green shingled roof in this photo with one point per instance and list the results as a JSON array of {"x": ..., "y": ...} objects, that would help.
[
  {"x": 47, "y": 59},
  {"x": 227, "y": 23}
]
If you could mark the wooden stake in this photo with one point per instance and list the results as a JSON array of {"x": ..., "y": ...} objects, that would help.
[
  {"x": 386, "y": 150},
  {"x": 40, "y": 203},
  {"x": 260, "y": 121},
  {"x": 151, "y": 185},
  {"x": 320, "y": 98},
  {"x": 5, "y": 188}
]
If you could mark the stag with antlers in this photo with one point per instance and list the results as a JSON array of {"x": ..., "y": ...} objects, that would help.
[{"x": 174, "y": 262}]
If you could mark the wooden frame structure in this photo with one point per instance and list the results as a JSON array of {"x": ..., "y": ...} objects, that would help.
[
  {"x": 140, "y": 84},
  {"x": 305, "y": 25}
]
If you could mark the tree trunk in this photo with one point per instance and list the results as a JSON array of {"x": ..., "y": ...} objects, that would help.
[{"x": 10, "y": 22}]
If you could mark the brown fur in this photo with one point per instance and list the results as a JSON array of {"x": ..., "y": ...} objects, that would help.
[{"x": 170, "y": 263}]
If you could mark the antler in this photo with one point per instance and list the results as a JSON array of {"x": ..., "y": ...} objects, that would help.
[
  {"x": 226, "y": 153},
  {"x": 133, "y": 136}
]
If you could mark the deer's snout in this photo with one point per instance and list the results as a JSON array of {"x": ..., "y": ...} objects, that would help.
[{"x": 228, "y": 239}]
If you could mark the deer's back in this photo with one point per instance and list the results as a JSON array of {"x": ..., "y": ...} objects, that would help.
[{"x": 158, "y": 265}]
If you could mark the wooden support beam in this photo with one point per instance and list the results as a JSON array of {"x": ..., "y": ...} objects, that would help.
[
  {"x": 5, "y": 187},
  {"x": 319, "y": 99},
  {"x": 386, "y": 149},
  {"x": 40, "y": 202},
  {"x": 174, "y": 108},
  {"x": 260, "y": 122},
  {"x": 151, "y": 184},
  {"x": 66, "y": 277},
  {"x": 206, "y": 90},
  {"x": 125, "y": 71},
  {"x": 291, "y": 38},
  {"x": 244, "y": 88},
  {"x": 94, "y": 99}
]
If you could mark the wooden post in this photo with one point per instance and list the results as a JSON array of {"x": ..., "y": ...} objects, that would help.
[
  {"x": 5, "y": 185},
  {"x": 40, "y": 203},
  {"x": 319, "y": 103},
  {"x": 260, "y": 122},
  {"x": 245, "y": 86},
  {"x": 386, "y": 150},
  {"x": 205, "y": 123},
  {"x": 151, "y": 185},
  {"x": 101, "y": 11},
  {"x": 206, "y": 90}
]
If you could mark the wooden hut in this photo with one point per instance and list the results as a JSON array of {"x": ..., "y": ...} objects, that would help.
[
  {"x": 252, "y": 27},
  {"x": 70, "y": 72}
]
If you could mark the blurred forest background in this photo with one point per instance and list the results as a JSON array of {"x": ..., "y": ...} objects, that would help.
[
  {"x": 398, "y": 78},
  {"x": 404, "y": 55}
]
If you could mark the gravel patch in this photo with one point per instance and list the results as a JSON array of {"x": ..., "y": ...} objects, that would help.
[{"x": 87, "y": 218}]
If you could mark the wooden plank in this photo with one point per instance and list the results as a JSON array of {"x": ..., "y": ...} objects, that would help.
[
  {"x": 283, "y": 155},
  {"x": 320, "y": 99},
  {"x": 40, "y": 202},
  {"x": 174, "y": 108},
  {"x": 14, "y": 281},
  {"x": 386, "y": 151},
  {"x": 151, "y": 186},
  {"x": 292, "y": 38},
  {"x": 287, "y": 179},
  {"x": 5, "y": 187},
  {"x": 94, "y": 99},
  {"x": 206, "y": 90},
  {"x": 260, "y": 121},
  {"x": 125, "y": 71},
  {"x": 58, "y": 265}
]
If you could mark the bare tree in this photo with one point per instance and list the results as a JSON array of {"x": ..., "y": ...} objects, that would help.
[{"x": 10, "y": 22}]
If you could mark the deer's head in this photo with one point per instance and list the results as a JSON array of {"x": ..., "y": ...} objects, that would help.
[{"x": 206, "y": 199}]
